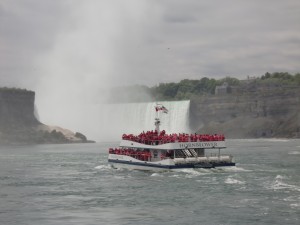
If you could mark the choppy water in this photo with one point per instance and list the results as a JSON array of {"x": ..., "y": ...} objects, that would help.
[{"x": 72, "y": 184}]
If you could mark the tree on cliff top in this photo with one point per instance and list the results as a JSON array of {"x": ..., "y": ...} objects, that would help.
[
  {"x": 282, "y": 78},
  {"x": 187, "y": 89}
]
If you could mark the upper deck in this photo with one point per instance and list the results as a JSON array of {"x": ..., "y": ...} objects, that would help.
[
  {"x": 175, "y": 145},
  {"x": 155, "y": 140},
  {"x": 155, "y": 137}
]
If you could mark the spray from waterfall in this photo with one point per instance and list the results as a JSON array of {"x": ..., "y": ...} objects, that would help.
[{"x": 113, "y": 120}]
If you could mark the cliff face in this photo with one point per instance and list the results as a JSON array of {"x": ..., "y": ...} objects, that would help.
[
  {"x": 18, "y": 124},
  {"x": 263, "y": 113},
  {"x": 17, "y": 108}
]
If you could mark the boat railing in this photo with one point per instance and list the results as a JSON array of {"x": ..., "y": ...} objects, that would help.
[
  {"x": 204, "y": 159},
  {"x": 140, "y": 155}
]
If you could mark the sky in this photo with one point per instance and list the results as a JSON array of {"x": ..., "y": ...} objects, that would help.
[{"x": 70, "y": 51}]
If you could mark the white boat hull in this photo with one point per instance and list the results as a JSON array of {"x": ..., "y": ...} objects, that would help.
[{"x": 123, "y": 161}]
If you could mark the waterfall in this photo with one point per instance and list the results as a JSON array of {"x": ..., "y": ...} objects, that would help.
[
  {"x": 36, "y": 113},
  {"x": 117, "y": 119}
]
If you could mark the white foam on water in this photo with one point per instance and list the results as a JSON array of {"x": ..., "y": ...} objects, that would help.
[
  {"x": 123, "y": 169},
  {"x": 191, "y": 173},
  {"x": 175, "y": 175},
  {"x": 279, "y": 177},
  {"x": 292, "y": 199},
  {"x": 294, "y": 153},
  {"x": 120, "y": 177},
  {"x": 230, "y": 180},
  {"x": 156, "y": 175},
  {"x": 103, "y": 167},
  {"x": 279, "y": 184},
  {"x": 275, "y": 140},
  {"x": 234, "y": 169},
  {"x": 295, "y": 205}
]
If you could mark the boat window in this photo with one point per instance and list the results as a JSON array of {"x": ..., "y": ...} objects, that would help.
[{"x": 155, "y": 154}]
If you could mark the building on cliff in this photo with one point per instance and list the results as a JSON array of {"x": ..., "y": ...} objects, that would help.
[{"x": 223, "y": 89}]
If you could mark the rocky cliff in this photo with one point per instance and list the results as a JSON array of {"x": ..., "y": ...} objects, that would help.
[
  {"x": 18, "y": 124},
  {"x": 260, "y": 113}
]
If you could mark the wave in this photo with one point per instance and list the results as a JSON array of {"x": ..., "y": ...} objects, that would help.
[
  {"x": 195, "y": 172},
  {"x": 231, "y": 180},
  {"x": 294, "y": 201},
  {"x": 294, "y": 153},
  {"x": 275, "y": 140},
  {"x": 156, "y": 175},
  {"x": 234, "y": 169},
  {"x": 103, "y": 167},
  {"x": 175, "y": 175},
  {"x": 295, "y": 205},
  {"x": 279, "y": 184}
]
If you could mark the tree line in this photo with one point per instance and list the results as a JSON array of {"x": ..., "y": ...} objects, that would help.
[{"x": 186, "y": 89}]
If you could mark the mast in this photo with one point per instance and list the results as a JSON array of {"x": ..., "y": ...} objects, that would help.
[
  {"x": 157, "y": 120},
  {"x": 158, "y": 108}
]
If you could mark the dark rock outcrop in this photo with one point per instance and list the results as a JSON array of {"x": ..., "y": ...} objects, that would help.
[
  {"x": 18, "y": 124},
  {"x": 17, "y": 108}
]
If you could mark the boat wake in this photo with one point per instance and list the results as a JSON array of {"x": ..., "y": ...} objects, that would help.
[
  {"x": 103, "y": 167},
  {"x": 190, "y": 173},
  {"x": 183, "y": 173},
  {"x": 156, "y": 175},
  {"x": 234, "y": 169}
]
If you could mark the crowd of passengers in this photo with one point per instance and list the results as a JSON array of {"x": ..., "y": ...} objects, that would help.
[
  {"x": 143, "y": 155},
  {"x": 153, "y": 138}
]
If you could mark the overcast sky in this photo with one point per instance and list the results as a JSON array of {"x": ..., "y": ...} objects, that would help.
[{"x": 74, "y": 47}]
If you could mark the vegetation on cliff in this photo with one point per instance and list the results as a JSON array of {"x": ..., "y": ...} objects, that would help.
[
  {"x": 188, "y": 89},
  {"x": 185, "y": 89}
]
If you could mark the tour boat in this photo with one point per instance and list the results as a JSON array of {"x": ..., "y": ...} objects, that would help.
[{"x": 156, "y": 150}]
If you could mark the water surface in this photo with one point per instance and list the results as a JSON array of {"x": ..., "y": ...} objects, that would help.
[{"x": 73, "y": 184}]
